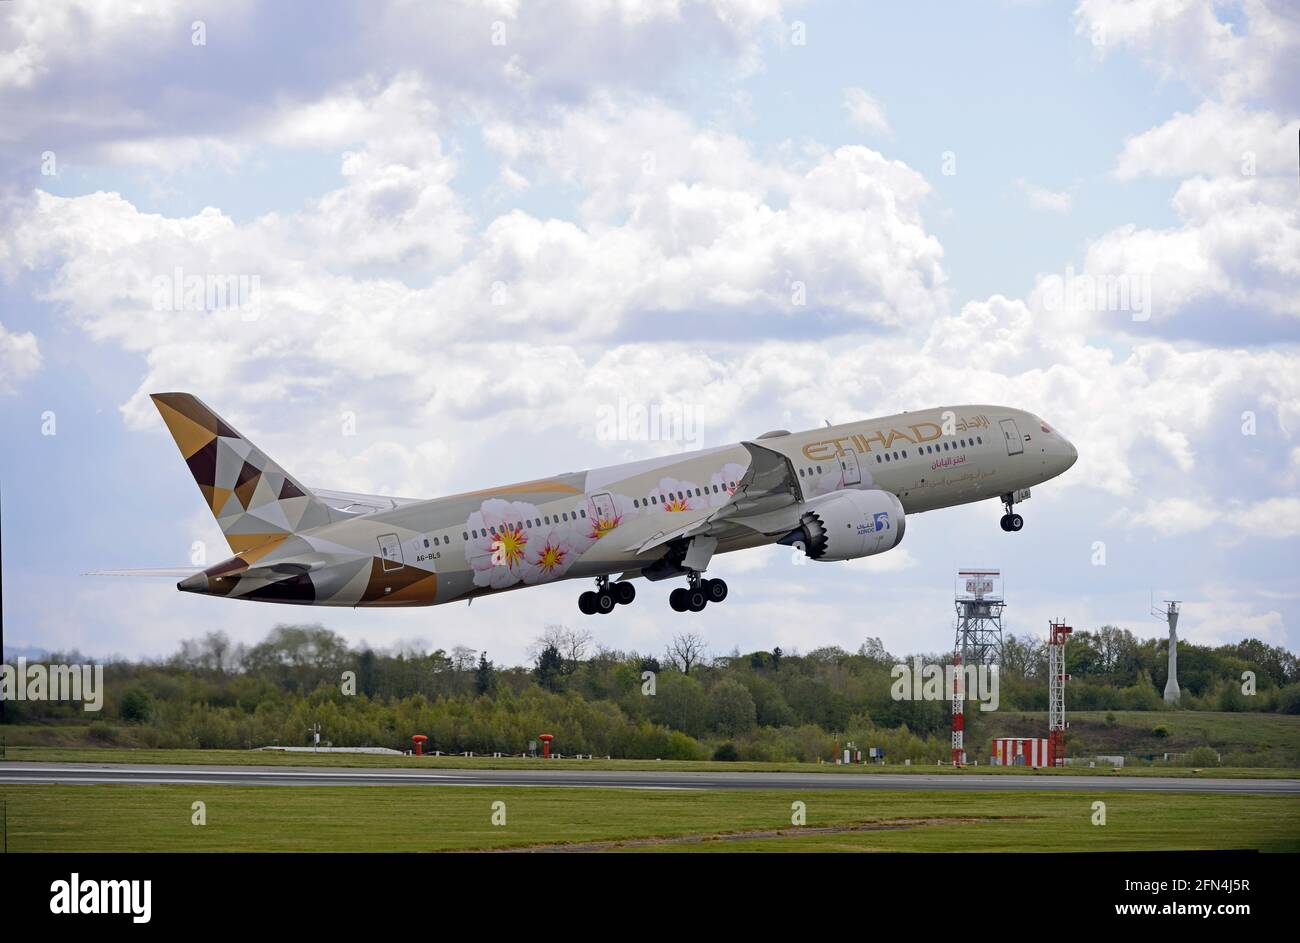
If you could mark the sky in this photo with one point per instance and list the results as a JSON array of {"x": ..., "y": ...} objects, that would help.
[{"x": 470, "y": 232}]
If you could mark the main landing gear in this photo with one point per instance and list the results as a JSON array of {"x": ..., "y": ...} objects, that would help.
[
  {"x": 1011, "y": 522},
  {"x": 698, "y": 594},
  {"x": 606, "y": 597}
]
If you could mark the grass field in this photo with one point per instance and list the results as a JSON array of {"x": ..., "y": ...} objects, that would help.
[
  {"x": 432, "y": 818},
  {"x": 365, "y": 760}
]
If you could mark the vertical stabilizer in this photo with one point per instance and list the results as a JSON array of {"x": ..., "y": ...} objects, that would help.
[{"x": 255, "y": 501}]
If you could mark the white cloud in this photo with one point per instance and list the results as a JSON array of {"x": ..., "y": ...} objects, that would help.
[
  {"x": 1228, "y": 271},
  {"x": 1215, "y": 140},
  {"x": 1223, "y": 616},
  {"x": 20, "y": 358},
  {"x": 477, "y": 54},
  {"x": 1272, "y": 518},
  {"x": 1185, "y": 39},
  {"x": 1173, "y": 517},
  {"x": 840, "y": 238},
  {"x": 866, "y": 112},
  {"x": 1041, "y": 198}
]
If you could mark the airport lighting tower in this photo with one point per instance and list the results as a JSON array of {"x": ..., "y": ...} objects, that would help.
[
  {"x": 1170, "y": 615},
  {"x": 979, "y": 605}
]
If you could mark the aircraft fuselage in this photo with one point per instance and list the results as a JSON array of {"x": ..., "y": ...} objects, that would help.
[{"x": 600, "y": 522}]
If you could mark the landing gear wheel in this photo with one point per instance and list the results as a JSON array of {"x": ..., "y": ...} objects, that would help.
[
  {"x": 715, "y": 590},
  {"x": 696, "y": 600},
  {"x": 587, "y": 603},
  {"x": 624, "y": 592},
  {"x": 1011, "y": 521},
  {"x": 678, "y": 599},
  {"x": 605, "y": 602}
]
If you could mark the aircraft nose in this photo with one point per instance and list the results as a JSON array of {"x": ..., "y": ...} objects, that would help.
[
  {"x": 1071, "y": 454},
  {"x": 198, "y": 583}
]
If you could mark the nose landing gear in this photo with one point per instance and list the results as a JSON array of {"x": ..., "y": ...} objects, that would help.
[{"x": 1011, "y": 522}]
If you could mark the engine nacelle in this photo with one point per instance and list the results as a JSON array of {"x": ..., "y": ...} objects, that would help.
[{"x": 847, "y": 525}]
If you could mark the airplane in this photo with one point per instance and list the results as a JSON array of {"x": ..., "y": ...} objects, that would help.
[{"x": 835, "y": 493}]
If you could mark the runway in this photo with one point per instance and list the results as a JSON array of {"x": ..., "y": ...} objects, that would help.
[{"x": 145, "y": 774}]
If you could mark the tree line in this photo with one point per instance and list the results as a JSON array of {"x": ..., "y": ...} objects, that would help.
[{"x": 683, "y": 703}]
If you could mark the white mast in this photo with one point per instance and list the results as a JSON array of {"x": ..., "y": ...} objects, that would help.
[{"x": 1170, "y": 615}]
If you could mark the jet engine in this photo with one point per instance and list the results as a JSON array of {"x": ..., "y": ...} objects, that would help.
[{"x": 847, "y": 525}]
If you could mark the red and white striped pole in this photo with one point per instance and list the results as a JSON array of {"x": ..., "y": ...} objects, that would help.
[{"x": 958, "y": 716}]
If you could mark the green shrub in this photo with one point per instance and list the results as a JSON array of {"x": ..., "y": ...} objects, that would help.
[
  {"x": 104, "y": 732},
  {"x": 136, "y": 705}
]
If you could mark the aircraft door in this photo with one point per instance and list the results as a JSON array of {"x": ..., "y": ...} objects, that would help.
[
  {"x": 849, "y": 465},
  {"x": 390, "y": 552},
  {"x": 602, "y": 507},
  {"x": 1011, "y": 433}
]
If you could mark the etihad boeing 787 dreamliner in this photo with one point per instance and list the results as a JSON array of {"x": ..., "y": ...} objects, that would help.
[{"x": 834, "y": 493}]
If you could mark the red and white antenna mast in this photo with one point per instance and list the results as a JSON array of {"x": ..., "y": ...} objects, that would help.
[
  {"x": 1058, "y": 634},
  {"x": 958, "y": 715}
]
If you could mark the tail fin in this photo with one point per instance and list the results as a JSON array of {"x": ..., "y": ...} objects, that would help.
[{"x": 254, "y": 500}]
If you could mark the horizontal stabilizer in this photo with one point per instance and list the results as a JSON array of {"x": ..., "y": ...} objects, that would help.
[{"x": 158, "y": 572}]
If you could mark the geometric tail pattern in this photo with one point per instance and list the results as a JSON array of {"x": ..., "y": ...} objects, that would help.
[{"x": 256, "y": 502}]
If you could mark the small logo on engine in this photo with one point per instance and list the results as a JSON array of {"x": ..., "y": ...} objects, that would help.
[{"x": 882, "y": 521}]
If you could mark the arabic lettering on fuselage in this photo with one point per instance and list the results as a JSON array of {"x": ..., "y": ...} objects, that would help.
[{"x": 973, "y": 422}]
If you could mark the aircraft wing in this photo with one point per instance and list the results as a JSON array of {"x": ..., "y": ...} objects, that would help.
[
  {"x": 351, "y": 502},
  {"x": 769, "y": 484}
]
